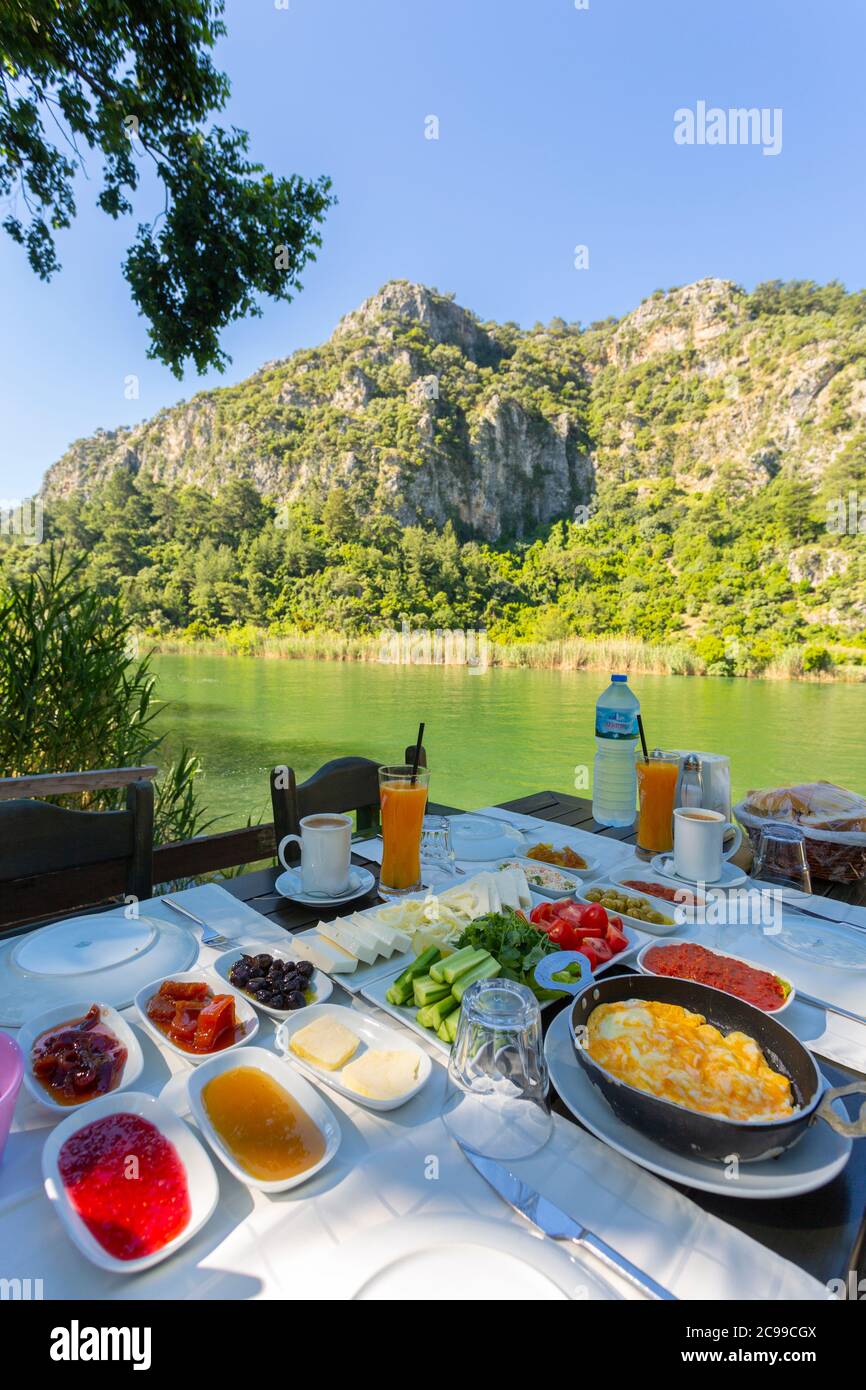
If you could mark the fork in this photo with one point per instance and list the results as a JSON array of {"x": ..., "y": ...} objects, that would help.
[{"x": 208, "y": 936}]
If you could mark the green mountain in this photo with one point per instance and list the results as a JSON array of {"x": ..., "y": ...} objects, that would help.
[{"x": 678, "y": 474}]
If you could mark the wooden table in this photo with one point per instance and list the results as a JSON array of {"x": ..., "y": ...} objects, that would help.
[{"x": 824, "y": 1232}]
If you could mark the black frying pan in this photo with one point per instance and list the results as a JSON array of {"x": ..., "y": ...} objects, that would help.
[{"x": 707, "y": 1136}]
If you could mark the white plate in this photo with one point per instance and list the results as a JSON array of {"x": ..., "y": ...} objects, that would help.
[
  {"x": 320, "y": 983},
  {"x": 106, "y": 955},
  {"x": 726, "y": 955},
  {"x": 446, "y": 1258},
  {"x": 810, "y": 1164},
  {"x": 299, "y": 1089},
  {"x": 649, "y": 928},
  {"x": 731, "y": 875},
  {"x": 482, "y": 838},
  {"x": 573, "y": 875},
  {"x": 372, "y": 1033},
  {"x": 244, "y": 1013},
  {"x": 361, "y": 882},
  {"x": 200, "y": 1176},
  {"x": 65, "y": 1014}
]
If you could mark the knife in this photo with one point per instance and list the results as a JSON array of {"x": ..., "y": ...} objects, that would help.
[{"x": 557, "y": 1224}]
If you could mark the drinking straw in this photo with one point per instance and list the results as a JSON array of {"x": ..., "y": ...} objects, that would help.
[
  {"x": 642, "y": 739},
  {"x": 417, "y": 758}
]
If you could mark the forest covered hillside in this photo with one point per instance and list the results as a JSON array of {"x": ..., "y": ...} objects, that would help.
[{"x": 676, "y": 475}]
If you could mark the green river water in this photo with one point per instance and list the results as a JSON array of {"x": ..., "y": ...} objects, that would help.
[{"x": 491, "y": 736}]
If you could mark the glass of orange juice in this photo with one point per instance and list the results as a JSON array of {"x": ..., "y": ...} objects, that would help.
[
  {"x": 656, "y": 787},
  {"x": 403, "y": 796}
]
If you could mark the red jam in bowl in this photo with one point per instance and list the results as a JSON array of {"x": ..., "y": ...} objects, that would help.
[{"x": 127, "y": 1183}]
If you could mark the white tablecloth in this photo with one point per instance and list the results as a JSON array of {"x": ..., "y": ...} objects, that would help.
[{"x": 306, "y": 1243}]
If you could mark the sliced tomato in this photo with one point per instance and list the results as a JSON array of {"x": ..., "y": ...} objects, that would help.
[
  {"x": 561, "y": 934},
  {"x": 596, "y": 951},
  {"x": 616, "y": 937},
  {"x": 541, "y": 914},
  {"x": 595, "y": 916},
  {"x": 571, "y": 912}
]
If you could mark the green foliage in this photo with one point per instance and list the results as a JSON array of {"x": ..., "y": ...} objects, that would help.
[
  {"x": 74, "y": 698},
  {"x": 132, "y": 81}
]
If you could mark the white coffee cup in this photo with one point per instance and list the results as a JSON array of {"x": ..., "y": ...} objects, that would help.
[
  {"x": 699, "y": 850},
  {"x": 326, "y": 852}
]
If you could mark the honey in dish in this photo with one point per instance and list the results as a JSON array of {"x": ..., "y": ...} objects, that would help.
[{"x": 262, "y": 1126}]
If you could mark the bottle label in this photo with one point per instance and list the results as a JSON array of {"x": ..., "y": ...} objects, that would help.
[{"x": 615, "y": 723}]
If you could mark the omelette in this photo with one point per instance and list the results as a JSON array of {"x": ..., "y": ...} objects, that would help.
[{"x": 677, "y": 1056}]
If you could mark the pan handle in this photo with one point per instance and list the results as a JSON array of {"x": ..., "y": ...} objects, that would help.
[{"x": 851, "y": 1129}]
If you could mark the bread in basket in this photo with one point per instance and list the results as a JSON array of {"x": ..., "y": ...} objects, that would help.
[{"x": 833, "y": 821}]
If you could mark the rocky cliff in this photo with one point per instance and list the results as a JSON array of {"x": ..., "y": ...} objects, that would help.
[{"x": 419, "y": 410}]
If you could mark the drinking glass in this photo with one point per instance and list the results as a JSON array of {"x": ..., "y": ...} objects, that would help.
[
  {"x": 656, "y": 787},
  {"x": 780, "y": 859},
  {"x": 497, "y": 1075},
  {"x": 437, "y": 852},
  {"x": 403, "y": 797}
]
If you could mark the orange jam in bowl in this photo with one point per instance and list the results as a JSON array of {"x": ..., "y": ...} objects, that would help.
[{"x": 262, "y": 1126}]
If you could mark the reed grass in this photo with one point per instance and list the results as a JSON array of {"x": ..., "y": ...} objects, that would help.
[{"x": 606, "y": 653}]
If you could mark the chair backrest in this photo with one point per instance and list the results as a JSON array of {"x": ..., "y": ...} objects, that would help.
[
  {"x": 54, "y": 859},
  {"x": 344, "y": 784}
]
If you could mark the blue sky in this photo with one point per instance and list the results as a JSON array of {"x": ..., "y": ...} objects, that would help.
[{"x": 556, "y": 129}]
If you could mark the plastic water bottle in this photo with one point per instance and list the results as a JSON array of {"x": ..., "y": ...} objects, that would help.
[{"x": 614, "y": 785}]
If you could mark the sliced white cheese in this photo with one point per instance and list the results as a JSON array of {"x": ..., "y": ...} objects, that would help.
[
  {"x": 325, "y": 957},
  {"x": 390, "y": 938},
  {"x": 381, "y": 1075},
  {"x": 370, "y": 933},
  {"x": 346, "y": 937},
  {"x": 400, "y": 940}
]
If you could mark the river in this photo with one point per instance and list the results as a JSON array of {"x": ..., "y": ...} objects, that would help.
[{"x": 490, "y": 736}]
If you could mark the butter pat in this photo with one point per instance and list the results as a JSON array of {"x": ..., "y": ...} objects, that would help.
[
  {"x": 381, "y": 1075},
  {"x": 326, "y": 1043}
]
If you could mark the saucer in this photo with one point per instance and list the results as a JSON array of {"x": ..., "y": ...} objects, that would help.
[
  {"x": 361, "y": 882},
  {"x": 731, "y": 875}
]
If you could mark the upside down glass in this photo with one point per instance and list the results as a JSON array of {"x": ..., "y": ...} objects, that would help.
[
  {"x": 403, "y": 799},
  {"x": 780, "y": 858},
  {"x": 497, "y": 1075}
]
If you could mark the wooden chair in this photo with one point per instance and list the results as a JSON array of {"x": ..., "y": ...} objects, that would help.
[
  {"x": 344, "y": 784},
  {"x": 54, "y": 859}
]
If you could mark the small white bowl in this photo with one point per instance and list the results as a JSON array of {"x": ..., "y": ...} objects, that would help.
[
  {"x": 299, "y": 1089},
  {"x": 223, "y": 964},
  {"x": 201, "y": 1178},
  {"x": 372, "y": 1033},
  {"x": 67, "y": 1013},
  {"x": 726, "y": 955},
  {"x": 244, "y": 1012}
]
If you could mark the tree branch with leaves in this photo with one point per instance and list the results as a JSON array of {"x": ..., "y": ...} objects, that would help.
[{"x": 133, "y": 80}]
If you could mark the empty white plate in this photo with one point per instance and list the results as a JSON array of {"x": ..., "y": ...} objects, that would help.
[{"x": 450, "y": 1258}]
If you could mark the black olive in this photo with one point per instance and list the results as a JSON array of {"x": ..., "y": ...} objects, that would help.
[
  {"x": 296, "y": 1000},
  {"x": 264, "y": 961},
  {"x": 305, "y": 968}
]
